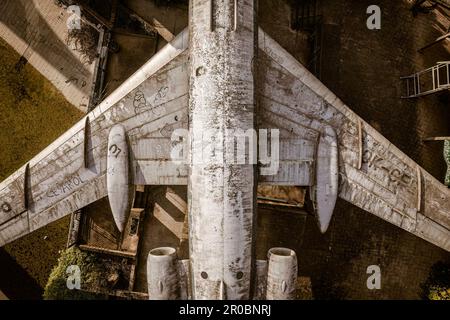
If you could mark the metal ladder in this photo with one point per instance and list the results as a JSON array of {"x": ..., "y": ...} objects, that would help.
[
  {"x": 305, "y": 15},
  {"x": 428, "y": 81}
]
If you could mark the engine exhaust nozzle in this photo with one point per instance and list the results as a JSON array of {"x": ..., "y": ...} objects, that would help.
[
  {"x": 282, "y": 274},
  {"x": 162, "y": 274}
]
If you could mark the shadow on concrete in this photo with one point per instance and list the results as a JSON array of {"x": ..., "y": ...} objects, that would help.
[{"x": 24, "y": 19}]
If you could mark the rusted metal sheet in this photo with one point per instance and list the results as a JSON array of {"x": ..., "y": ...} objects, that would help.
[
  {"x": 374, "y": 174},
  {"x": 154, "y": 172},
  {"x": 90, "y": 192}
]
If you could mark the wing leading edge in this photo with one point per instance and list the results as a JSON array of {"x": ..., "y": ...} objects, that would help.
[
  {"x": 373, "y": 174},
  {"x": 71, "y": 172}
]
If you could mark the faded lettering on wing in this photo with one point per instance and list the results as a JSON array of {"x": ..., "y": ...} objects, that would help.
[
  {"x": 70, "y": 184},
  {"x": 396, "y": 176}
]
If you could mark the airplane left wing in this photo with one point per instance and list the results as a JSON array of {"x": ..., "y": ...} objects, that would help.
[
  {"x": 351, "y": 160},
  {"x": 71, "y": 172}
]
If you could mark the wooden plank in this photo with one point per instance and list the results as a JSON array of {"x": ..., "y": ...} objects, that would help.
[
  {"x": 437, "y": 139},
  {"x": 130, "y": 255},
  {"x": 176, "y": 227},
  {"x": 177, "y": 200},
  {"x": 154, "y": 25},
  {"x": 438, "y": 40},
  {"x": 131, "y": 295}
]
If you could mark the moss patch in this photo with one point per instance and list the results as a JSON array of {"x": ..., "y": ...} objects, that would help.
[
  {"x": 91, "y": 276},
  {"x": 98, "y": 273},
  {"x": 437, "y": 286},
  {"x": 33, "y": 114}
]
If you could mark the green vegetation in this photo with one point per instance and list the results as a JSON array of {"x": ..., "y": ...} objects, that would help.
[
  {"x": 33, "y": 114},
  {"x": 437, "y": 286},
  {"x": 92, "y": 276},
  {"x": 439, "y": 293}
]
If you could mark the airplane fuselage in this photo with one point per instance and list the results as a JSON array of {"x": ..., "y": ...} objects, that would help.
[{"x": 221, "y": 192}]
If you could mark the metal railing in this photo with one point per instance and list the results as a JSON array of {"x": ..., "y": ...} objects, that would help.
[{"x": 431, "y": 80}]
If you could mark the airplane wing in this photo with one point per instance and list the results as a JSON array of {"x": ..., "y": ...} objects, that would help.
[
  {"x": 323, "y": 145},
  {"x": 71, "y": 172},
  {"x": 351, "y": 160}
]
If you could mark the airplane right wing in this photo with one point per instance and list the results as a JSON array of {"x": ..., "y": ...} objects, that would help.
[
  {"x": 71, "y": 172},
  {"x": 351, "y": 159}
]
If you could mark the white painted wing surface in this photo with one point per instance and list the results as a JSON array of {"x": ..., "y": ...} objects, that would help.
[
  {"x": 71, "y": 172},
  {"x": 373, "y": 174}
]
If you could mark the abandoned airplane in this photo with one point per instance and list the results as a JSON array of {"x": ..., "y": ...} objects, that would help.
[{"x": 185, "y": 118}]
